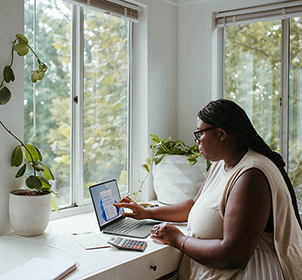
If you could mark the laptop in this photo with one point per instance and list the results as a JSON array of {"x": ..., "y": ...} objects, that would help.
[{"x": 110, "y": 218}]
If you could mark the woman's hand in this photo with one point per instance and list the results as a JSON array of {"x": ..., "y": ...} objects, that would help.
[
  {"x": 166, "y": 233},
  {"x": 138, "y": 212}
]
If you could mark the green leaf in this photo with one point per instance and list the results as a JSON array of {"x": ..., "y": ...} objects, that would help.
[
  {"x": 34, "y": 152},
  {"x": 47, "y": 172},
  {"x": 178, "y": 143},
  {"x": 40, "y": 75},
  {"x": 155, "y": 138},
  {"x": 166, "y": 139},
  {"x": 5, "y": 95},
  {"x": 208, "y": 164},
  {"x": 42, "y": 66},
  {"x": 21, "y": 49},
  {"x": 54, "y": 205},
  {"x": 153, "y": 147},
  {"x": 37, "y": 75},
  {"x": 146, "y": 167},
  {"x": 37, "y": 166},
  {"x": 8, "y": 74},
  {"x": 158, "y": 159},
  {"x": 21, "y": 38},
  {"x": 162, "y": 151},
  {"x": 34, "y": 77},
  {"x": 45, "y": 183},
  {"x": 21, "y": 171},
  {"x": 192, "y": 160},
  {"x": 148, "y": 161},
  {"x": 17, "y": 156},
  {"x": 33, "y": 182}
]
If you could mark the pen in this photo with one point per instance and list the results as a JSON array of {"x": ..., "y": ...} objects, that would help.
[{"x": 79, "y": 233}]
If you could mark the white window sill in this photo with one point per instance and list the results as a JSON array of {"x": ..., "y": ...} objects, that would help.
[
  {"x": 71, "y": 211},
  {"x": 58, "y": 243}
]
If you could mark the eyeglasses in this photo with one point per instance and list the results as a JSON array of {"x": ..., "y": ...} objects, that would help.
[{"x": 198, "y": 134}]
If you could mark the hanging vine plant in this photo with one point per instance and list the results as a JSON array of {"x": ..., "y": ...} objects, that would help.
[{"x": 26, "y": 155}]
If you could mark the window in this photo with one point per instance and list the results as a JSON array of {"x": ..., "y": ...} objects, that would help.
[
  {"x": 295, "y": 105},
  {"x": 252, "y": 75},
  {"x": 80, "y": 111},
  {"x": 263, "y": 74}
]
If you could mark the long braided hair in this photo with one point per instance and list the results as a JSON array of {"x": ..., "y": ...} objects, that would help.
[{"x": 230, "y": 117}]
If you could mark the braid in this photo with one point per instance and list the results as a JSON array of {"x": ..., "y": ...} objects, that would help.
[{"x": 232, "y": 118}]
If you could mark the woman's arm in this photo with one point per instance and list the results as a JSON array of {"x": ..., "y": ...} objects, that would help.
[
  {"x": 247, "y": 211},
  {"x": 174, "y": 213}
]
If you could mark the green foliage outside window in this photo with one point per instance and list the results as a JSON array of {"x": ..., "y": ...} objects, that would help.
[
  {"x": 105, "y": 94},
  {"x": 105, "y": 97},
  {"x": 253, "y": 80}
]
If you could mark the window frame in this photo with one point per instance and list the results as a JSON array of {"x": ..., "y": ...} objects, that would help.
[
  {"x": 77, "y": 107},
  {"x": 77, "y": 110}
]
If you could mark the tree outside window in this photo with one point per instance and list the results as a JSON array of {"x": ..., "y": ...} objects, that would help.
[
  {"x": 253, "y": 80},
  {"x": 48, "y": 106}
]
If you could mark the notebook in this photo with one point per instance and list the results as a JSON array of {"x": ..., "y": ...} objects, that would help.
[
  {"x": 40, "y": 268},
  {"x": 90, "y": 240},
  {"x": 110, "y": 218}
]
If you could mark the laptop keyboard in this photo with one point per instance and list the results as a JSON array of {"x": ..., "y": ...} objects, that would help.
[{"x": 124, "y": 226}]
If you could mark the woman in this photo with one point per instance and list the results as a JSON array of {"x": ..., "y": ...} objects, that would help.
[{"x": 244, "y": 222}]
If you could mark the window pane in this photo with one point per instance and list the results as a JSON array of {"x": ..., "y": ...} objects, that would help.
[
  {"x": 51, "y": 108},
  {"x": 295, "y": 105},
  {"x": 252, "y": 75},
  {"x": 105, "y": 99}
]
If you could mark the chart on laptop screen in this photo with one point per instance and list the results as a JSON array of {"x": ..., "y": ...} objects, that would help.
[
  {"x": 106, "y": 202},
  {"x": 104, "y": 195}
]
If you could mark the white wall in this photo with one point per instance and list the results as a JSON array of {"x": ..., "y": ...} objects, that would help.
[
  {"x": 11, "y": 114},
  {"x": 155, "y": 84}
]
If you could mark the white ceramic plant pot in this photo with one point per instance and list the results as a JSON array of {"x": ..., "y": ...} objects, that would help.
[
  {"x": 175, "y": 180},
  {"x": 29, "y": 215}
]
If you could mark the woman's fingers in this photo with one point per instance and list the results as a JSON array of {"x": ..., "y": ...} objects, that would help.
[
  {"x": 157, "y": 231},
  {"x": 165, "y": 233},
  {"x": 124, "y": 202},
  {"x": 126, "y": 199},
  {"x": 131, "y": 215},
  {"x": 138, "y": 212}
]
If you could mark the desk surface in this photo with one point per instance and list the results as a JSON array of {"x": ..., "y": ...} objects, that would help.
[{"x": 58, "y": 243}]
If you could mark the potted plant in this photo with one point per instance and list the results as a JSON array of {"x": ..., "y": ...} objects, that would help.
[
  {"x": 29, "y": 209},
  {"x": 178, "y": 170}
]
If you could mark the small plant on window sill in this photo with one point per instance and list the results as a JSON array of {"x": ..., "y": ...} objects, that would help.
[
  {"x": 167, "y": 146},
  {"x": 27, "y": 154}
]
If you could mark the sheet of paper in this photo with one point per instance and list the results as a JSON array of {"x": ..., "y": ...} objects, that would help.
[
  {"x": 39, "y": 268},
  {"x": 90, "y": 240}
]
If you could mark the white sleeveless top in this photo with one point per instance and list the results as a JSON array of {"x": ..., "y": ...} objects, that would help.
[{"x": 282, "y": 249}]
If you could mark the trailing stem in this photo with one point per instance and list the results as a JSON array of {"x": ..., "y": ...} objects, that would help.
[
  {"x": 11, "y": 63},
  {"x": 20, "y": 141},
  {"x": 140, "y": 187},
  {"x": 147, "y": 167}
]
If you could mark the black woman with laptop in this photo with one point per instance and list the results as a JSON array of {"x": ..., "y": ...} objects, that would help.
[{"x": 244, "y": 222}]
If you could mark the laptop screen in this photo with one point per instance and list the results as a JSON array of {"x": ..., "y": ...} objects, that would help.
[{"x": 103, "y": 196}]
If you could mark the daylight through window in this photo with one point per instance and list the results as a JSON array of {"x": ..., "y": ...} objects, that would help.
[
  {"x": 81, "y": 126},
  {"x": 263, "y": 74}
]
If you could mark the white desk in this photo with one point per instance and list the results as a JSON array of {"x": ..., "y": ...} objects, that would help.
[{"x": 105, "y": 263}]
